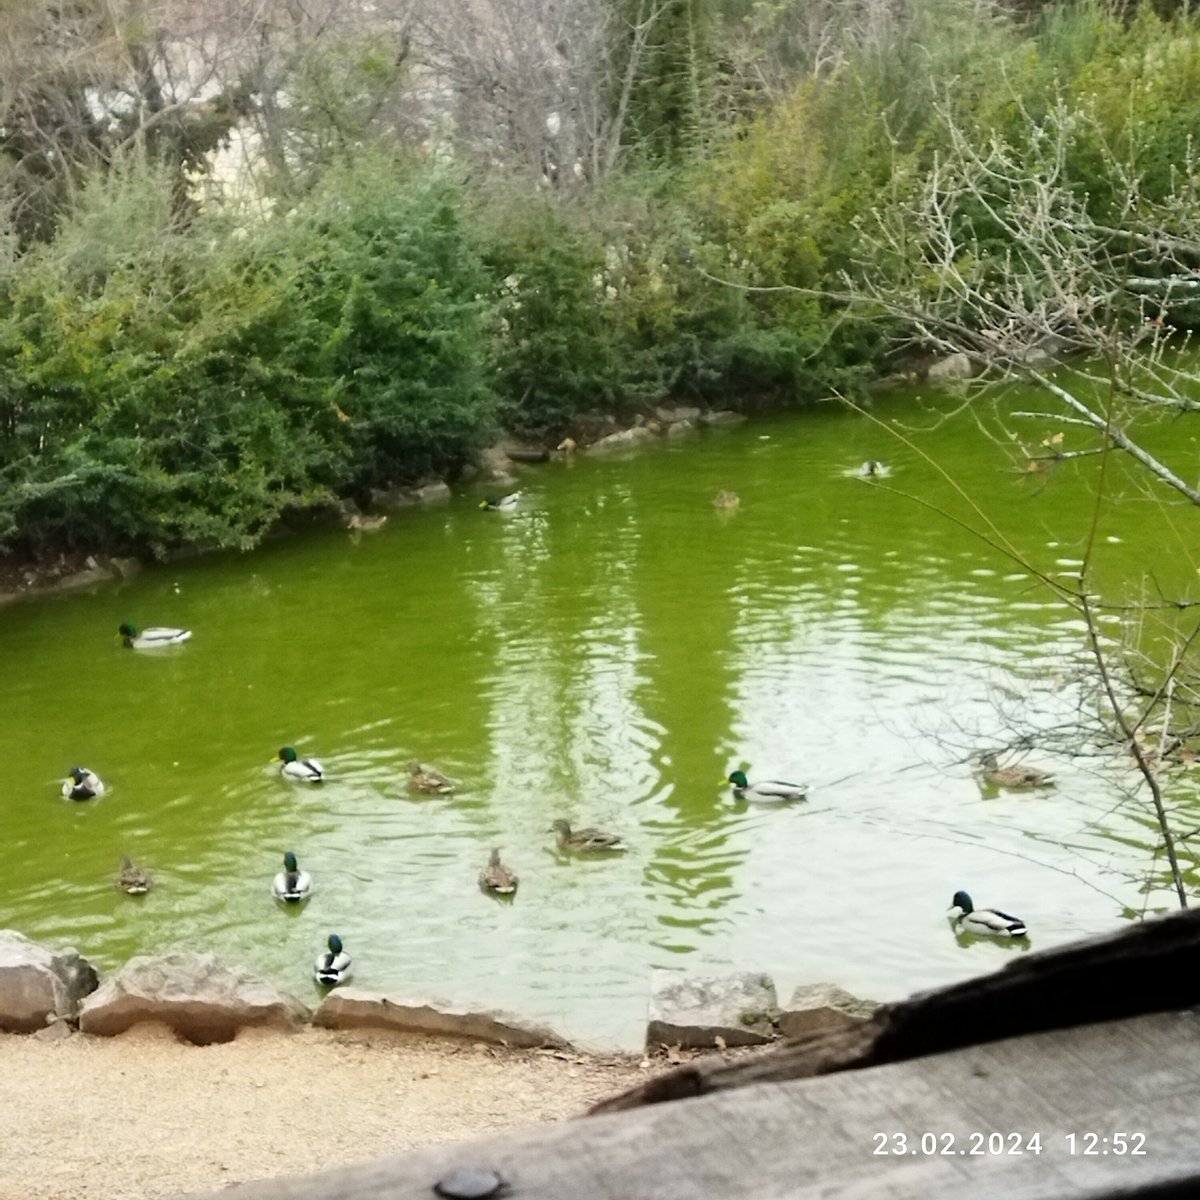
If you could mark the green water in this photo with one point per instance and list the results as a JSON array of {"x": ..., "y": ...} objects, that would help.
[{"x": 607, "y": 653}]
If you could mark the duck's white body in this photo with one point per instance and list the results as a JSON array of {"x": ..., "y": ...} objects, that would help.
[
  {"x": 989, "y": 922},
  {"x": 307, "y": 769},
  {"x": 155, "y": 637},
  {"x": 769, "y": 791},
  {"x": 502, "y": 503},
  {"x": 332, "y": 966},
  {"x": 82, "y": 784},
  {"x": 292, "y": 886}
]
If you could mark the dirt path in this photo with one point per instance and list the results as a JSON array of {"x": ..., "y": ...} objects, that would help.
[{"x": 145, "y": 1116}]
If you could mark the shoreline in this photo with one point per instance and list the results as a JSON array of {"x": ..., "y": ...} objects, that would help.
[{"x": 147, "y": 1116}]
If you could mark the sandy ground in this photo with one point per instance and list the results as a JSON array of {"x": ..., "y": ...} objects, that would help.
[{"x": 145, "y": 1116}]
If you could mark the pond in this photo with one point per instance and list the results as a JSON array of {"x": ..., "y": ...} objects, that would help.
[{"x": 606, "y": 653}]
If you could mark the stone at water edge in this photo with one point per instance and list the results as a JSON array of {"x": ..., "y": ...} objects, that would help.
[
  {"x": 351, "y": 1008},
  {"x": 693, "y": 1012},
  {"x": 203, "y": 999},
  {"x": 626, "y": 438},
  {"x": 38, "y": 983},
  {"x": 823, "y": 1008}
]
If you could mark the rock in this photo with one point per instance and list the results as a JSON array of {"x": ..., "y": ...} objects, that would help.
[
  {"x": 198, "y": 996},
  {"x": 953, "y": 366},
  {"x": 823, "y": 1008},
  {"x": 392, "y": 498},
  {"x": 56, "y": 1031},
  {"x": 694, "y": 1012},
  {"x": 350, "y": 1008},
  {"x": 428, "y": 493},
  {"x": 679, "y": 428},
  {"x": 126, "y": 568},
  {"x": 38, "y": 983},
  {"x": 723, "y": 416},
  {"x": 636, "y": 436},
  {"x": 672, "y": 416},
  {"x": 80, "y": 579}
]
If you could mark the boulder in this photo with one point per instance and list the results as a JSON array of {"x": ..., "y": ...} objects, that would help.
[
  {"x": 350, "y": 1008},
  {"x": 203, "y": 999},
  {"x": 636, "y": 436},
  {"x": 723, "y": 416},
  {"x": 679, "y": 428},
  {"x": 38, "y": 984},
  {"x": 682, "y": 412},
  {"x": 820, "y": 1008},
  {"x": 953, "y": 366},
  {"x": 694, "y": 1012},
  {"x": 438, "y": 490}
]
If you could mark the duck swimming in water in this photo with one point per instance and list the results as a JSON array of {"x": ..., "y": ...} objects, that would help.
[
  {"x": 990, "y": 922},
  {"x": 153, "y": 638},
  {"x": 136, "y": 881},
  {"x": 496, "y": 877},
  {"x": 333, "y": 965},
  {"x": 586, "y": 841},
  {"x": 291, "y": 885},
  {"x": 501, "y": 503},
  {"x": 82, "y": 784},
  {"x": 766, "y": 791},
  {"x": 295, "y": 767}
]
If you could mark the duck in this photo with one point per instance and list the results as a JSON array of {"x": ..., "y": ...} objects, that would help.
[
  {"x": 496, "y": 877},
  {"x": 586, "y": 841},
  {"x": 137, "y": 881},
  {"x": 765, "y": 791},
  {"x": 295, "y": 767},
  {"x": 333, "y": 965},
  {"x": 426, "y": 779},
  {"x": 726, "y": 499},
  {"x": 82, "y": 784},
  {"x": 500, "y": 503},
  {"x": 364, "y": 523},
  {"x": 291, "y": 885},
  {"x": 1013, "y": 777},
  {"x": 872, "y": 467},
  {"x": 153, "y": 638},
  {"x": 990, "y": 922}
]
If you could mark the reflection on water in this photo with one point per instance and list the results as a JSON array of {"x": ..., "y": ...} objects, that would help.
[{"x": 607, "y": 653}]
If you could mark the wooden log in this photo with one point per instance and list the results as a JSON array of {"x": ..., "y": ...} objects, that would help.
[{"x": 1152, "y": 966}]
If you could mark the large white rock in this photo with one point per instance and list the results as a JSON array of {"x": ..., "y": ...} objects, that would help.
[
  {"x": 202, "y": 998},
  {"x": 691, "y": 1011},
  {"x": 38, "y": 984},
  {"x": 350, "y": 1008}
]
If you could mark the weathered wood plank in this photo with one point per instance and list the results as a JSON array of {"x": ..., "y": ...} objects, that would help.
[
  {"x": 1147, "y": 967},
  {"x": 813, "y": 1139}
]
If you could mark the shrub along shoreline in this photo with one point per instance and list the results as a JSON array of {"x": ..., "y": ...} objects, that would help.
[{"x": 177, "y": 377}]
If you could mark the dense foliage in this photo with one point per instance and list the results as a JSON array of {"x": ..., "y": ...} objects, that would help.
[{"x": 179, "y": 372}]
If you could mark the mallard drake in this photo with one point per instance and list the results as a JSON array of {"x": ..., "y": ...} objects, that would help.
[
  {"x": 766, "y": 791},
  {"x": 295, "y": 767},
  {"x": 500, "y": 503},
  {"x": 872, "y": 467},
  {"x": 153, "y": 638},
  {"x": 1013, "y": 777},
  {"x": 82, "y": 784},
  {"x": 291, "y": 885},
  {"x": 584, "y": 840},
  {"x": 990, "y": 922},
  {"x": 725, "y": 499},
  {"x": 134, "y": 880},
  {"x": 426, "y": 779},
  {"x": 496, "y": 877},
  {"x": 333, "y": 965}
]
